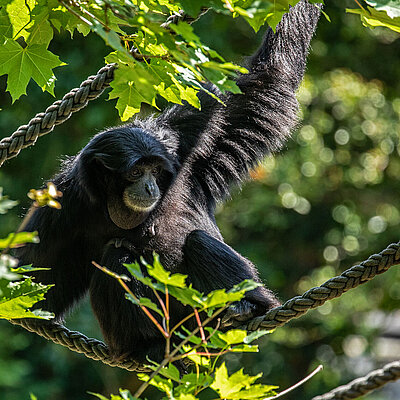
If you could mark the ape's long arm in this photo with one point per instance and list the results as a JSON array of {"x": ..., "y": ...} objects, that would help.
[{"x": 258, "y": 121}]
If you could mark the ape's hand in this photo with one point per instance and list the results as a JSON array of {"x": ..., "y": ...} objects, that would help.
[{"x": 238, "y": 313}]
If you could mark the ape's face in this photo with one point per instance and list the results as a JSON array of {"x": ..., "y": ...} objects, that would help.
[
  {"x": 142, "y": 191},
  {"x": 131, "y": 196},
  {"x": 125, "y": 170}
]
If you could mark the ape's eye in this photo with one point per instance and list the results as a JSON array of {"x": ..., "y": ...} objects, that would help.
[
  {"x": 156, "y": 170},
  {"x": 135, "y": 173}
]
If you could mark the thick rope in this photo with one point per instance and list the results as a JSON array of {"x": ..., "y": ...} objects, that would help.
[
  {"x": 362, "y": 386},
  {"x": 76, "y": 341},
  {"x": 335, "y": 287},
  {"x": 57, "y": 113},
  {"x": 278, "y": 316}
]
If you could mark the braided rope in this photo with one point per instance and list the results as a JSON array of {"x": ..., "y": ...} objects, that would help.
[
  {"x": 278, "y": 316},
  {"x": 362, "y": 386},
  {"x": 57, "y": 113},
  {"x": 76, "y": 341},
  {"x": 335, "y": 287}
]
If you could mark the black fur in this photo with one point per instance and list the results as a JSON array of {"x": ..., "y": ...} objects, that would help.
[{"x": 204, "y": 153}]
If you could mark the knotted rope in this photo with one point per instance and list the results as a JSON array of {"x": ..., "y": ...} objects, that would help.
[
  {"x": 362, "y": 386},
  {"x": 278, "y": 316},
  {"x": 57, "y": 113}
]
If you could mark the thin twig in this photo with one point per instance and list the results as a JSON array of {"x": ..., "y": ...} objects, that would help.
[
  {"x": 202, "y": 335},
  {"x": 308, "y": 377},
  {"x": 121, "y": 279},
  {"x": 359, "y": 5},
  {"x": 72, "y": 11}
]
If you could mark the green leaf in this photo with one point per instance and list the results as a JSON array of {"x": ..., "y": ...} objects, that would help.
[
  {"x": 21, "y": 64},
  {"x": 144, "y": 301},
  {"x": 186, "y": 31},
  {"x": 5, "y": 203},
  {"x": 391, "y": 7},
  {"x": 28, "y": 268},
  {"x": 17, "y": 297},
  {"x": 255, "y": 335},
  {"x": 244, "y": 348},
  {"x": 14, "y": 240},
  {"x": 170, "y": 372},
  {"x": 5, "y": 24},
  {"x": 136, "y": 271},
  {"x": 239, "y": 385},
  {"x": 256, "y": 13},
  {"x": 132, "y": 85},
  {"x": 233, "y": 336},
  {"x": 19, "y": 14},
  {"x": 219, "y": 298},
  {"x": 225, "y": 385},
  {"x": 187, "y": 296},
  {"x": 192, "y": 7},
  {"x": 225, "y": 67},
  {"x": 162, "y": 384},
  {"x": 111, "y": 38},
  {"x": 158, "y": 272},
  {"x": 192, "y": 338},
  {"x": 60, "y": 17},
  {"x": 373, "y": 18},
  {"x": 254, "y": 392},
  {"x": 41, "y": 31},
  {"x": 201, "y": 361}
]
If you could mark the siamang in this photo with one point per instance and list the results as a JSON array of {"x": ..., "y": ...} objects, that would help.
[{"x": 152, "y": 186}]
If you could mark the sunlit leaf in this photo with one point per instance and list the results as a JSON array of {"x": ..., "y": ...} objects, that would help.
[
  {"x": 16, "y": 239},
  {"x": 23, "y": 64},
  {"x": 16, "y": 298},
  {"x": 373, "y": 18}
]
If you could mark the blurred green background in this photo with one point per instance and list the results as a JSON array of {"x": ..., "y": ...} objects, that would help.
[{"x": 329, "y": 199}]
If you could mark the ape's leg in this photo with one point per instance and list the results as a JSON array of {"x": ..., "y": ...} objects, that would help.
[
  {"x": 211, "y": 264},
  {"x": 126, "y": 329}
]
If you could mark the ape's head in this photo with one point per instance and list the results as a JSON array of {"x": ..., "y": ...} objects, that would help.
[{"x": 128, "y": 171}]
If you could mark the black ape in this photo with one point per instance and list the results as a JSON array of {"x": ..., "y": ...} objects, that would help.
[{"x": 155, "y": 183}]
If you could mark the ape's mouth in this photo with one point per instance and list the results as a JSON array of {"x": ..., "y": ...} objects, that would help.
[{"x": 139, "y": 203}]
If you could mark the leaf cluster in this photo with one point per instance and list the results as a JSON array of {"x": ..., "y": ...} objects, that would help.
[
  {"x": 201, "y": 346},
  {"x": 18, "y": 293},
  {"x": 155, "y": 57},
  {"x": 379, "y": 13}
]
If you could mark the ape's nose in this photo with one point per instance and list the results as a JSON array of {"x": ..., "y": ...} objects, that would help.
[{"x": 150, "y": 189}]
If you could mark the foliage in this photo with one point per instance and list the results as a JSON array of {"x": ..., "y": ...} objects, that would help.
[
  {"x": 18, "y": 296},
  {"x": 154, "y": 57},
  {"x": 196, "y": 338},
  {"x": 381, "y": 13}
]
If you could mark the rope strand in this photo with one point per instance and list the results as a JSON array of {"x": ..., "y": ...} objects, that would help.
[{"x": 362, "y": 386}]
